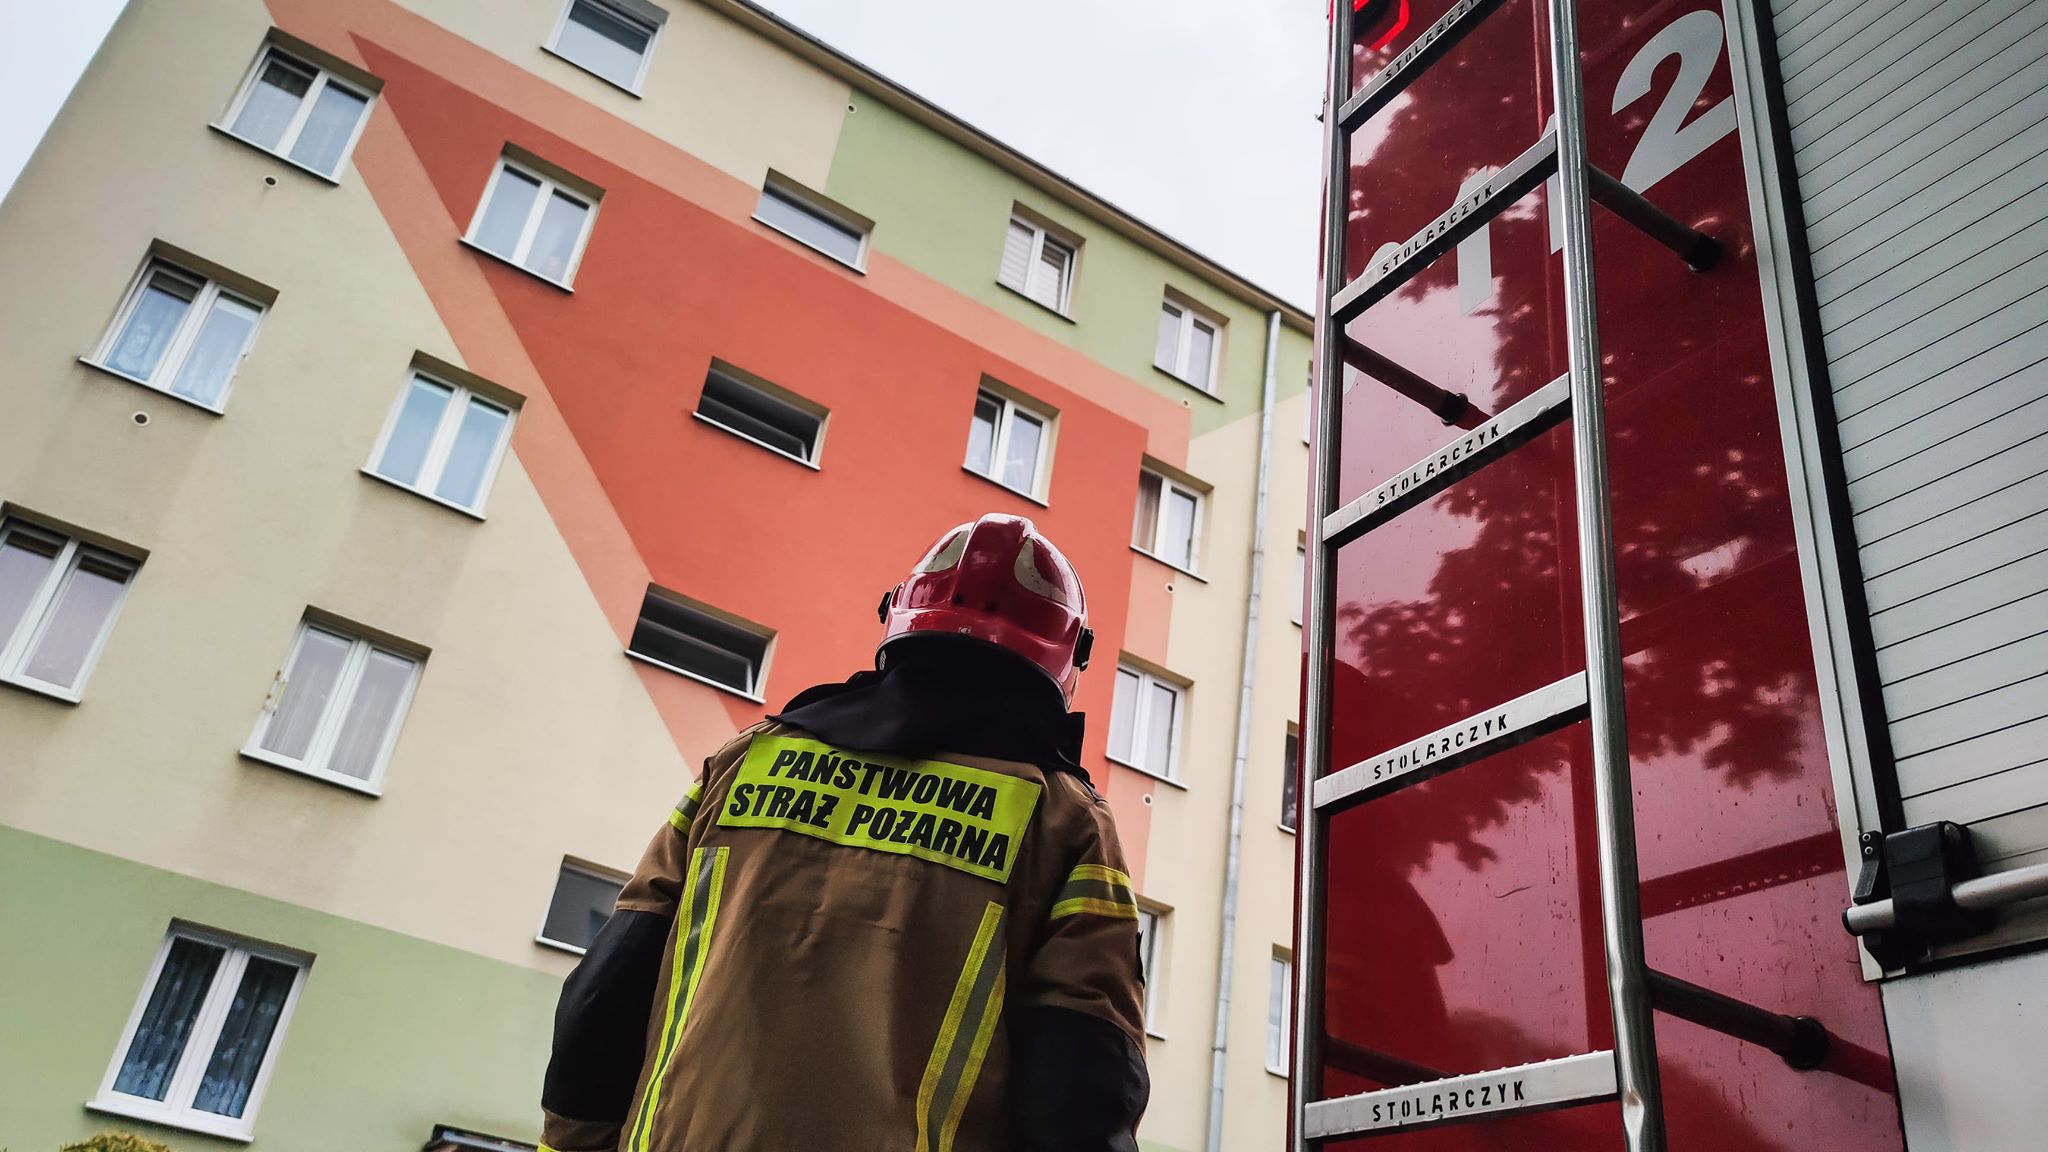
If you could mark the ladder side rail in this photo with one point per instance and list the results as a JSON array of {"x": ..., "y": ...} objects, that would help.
[
  {"x": 1635, "y": 1041},
  {"x": 1321, "y": 619}
]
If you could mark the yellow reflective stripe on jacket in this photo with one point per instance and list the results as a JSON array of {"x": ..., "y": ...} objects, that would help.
[
  {"x": 696, "y": 919},
  {"x": 977, "y": 1004},
  {"x": 1098, "y": 890},
  {"x": 686, "y": 809}
]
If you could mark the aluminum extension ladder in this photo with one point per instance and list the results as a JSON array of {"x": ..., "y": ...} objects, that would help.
[{"x": 1628, "y": 1072}]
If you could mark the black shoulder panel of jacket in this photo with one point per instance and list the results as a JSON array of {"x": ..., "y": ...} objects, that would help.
[
  {"x": 1077, "y": 1083},
  {"x": 601, "y": 1022}
]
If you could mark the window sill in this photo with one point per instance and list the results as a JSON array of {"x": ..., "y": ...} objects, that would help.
[
  {"x": 96, "y": 366},
  {"x": 1036, "y": 301},
  {"x": 757, "y": 443},
  {"x": 280, "y": 157},
  {"x": 336, "y": 779},
  {"x": 987, "y": 479},
  {"x": 632, "y": 90},
  {"x": 1284, "y": 828},
  {"x": 38, "y": 688},
  {"x": 1184, "y": 382},
  {"x": 558, "y": 285},
  {"x": 1146, "y": 772},
  {"x": 689, "y": 675},
  {"x": 1152, "y": 1035},
  {"x": 858, "y": 268},
  {"x": 1280, "y": 1072},
  {"x": 473, "y": 513},
  {"x": 558, "y": 946},
  {"x": 1198, "y": 577},
  {"x": 241, "y": 1132}
]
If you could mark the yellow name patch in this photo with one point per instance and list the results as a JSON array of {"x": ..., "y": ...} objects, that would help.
[{"x": 951, "y": 814}]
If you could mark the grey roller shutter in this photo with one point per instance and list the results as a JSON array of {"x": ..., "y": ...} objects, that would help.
[{"x": 1919, "y": 132}]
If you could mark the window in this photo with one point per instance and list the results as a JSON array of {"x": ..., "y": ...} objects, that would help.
[
  {"x": 687, "y": 639},
  {"x": 180, "y": 332},
  {"x": 303, "y": 113},
  {"x": 610, "y": 39},
  {"x": 1148, "y": 959},
  {"x": 1038, "y": 264},
  {"x": 533, "y": 221},
  {"x": 1144, "y": 723},
  {"x": 584, "y": 895},
  {"x": 199, "y": 1046},
  {"x": 758, "y": 411},
  {"x": 1279, "y": 1015},
  {"x": 1188, "y": 345},
  {"x": 335, "y": 710},
  {"x": 58, "y": 600},
  {"x": 807, "y": 219},
  {"x": 1300, "y": 582},
  {"x": 1169, "y": 520},
  {"x": 1007, "y": 442},
  {"x": 1290, "y": 781},
  {"x": 444, "y": 442}
]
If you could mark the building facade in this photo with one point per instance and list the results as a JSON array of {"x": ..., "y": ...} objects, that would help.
[{"x": 432, "y": 427}]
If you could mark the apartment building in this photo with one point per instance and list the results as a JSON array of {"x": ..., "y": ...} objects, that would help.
[{"x": 432, "y": 427}]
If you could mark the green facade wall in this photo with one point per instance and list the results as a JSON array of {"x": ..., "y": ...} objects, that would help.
[
  {"x": 391, "y": 1035},
  {"x": 952, "y": 229}
]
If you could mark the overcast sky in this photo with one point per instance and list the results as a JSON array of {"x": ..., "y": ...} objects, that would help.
[{"x": 1197, "y": 116}]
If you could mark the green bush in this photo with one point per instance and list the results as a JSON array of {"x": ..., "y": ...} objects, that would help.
[{"x": 116, "y": 1142}]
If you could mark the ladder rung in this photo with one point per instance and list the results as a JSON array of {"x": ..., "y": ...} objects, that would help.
[
  {"x": 1518, "y": 423},
  {"x": 1519, "y": 720},
  {"x": 1539, "y": 1087},
  {"x": 1402, "y": 70},
  {"x": 1460, "y": 220}
]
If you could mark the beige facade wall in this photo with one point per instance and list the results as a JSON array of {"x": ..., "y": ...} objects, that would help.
[
  {"x": 531, "y": 736},
  {"x": 1186, "y": 849},
  {"x": 773, "y": 110}
]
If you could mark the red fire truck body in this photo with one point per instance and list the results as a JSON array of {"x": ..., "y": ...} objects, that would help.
[{"x": 1458, "y": 909}]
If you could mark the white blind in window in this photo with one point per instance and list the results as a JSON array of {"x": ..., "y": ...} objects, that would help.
[
  {"x": 1016, "y": 255},
  {"x": 1052, "y": 273},
  {"x": 1918, "y": 138}
]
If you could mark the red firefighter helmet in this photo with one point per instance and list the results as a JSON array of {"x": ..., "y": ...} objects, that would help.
[{"x": 999, "y": 580}]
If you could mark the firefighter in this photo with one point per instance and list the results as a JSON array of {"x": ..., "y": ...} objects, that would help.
[{"x": 892, "y": 917}]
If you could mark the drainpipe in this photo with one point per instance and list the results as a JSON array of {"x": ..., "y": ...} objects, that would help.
[{"x": 1233, "y": 857}]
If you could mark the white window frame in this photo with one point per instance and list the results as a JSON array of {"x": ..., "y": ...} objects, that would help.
[
  {"x": 208, "y": 290},
  {"x": 35, "y": 620},
  {"x": 735, "y": 376},
  {"x": 523, "y": 247},
  {"x": 1007, "y": 413},
  {"x": 572, "y": 864},
  {"x": 1150, "y": 951},
  {"x": 204, "y": 1036},
  {"x": 645, "y": 15},
  {"x": 1189, "y": 317},
  {"x": 1034, "y": 265},
  {"x": 757, "y": 675},
  {"x": 788, "y": 191},
  {"x": 1139, "y": 709},
  {"x": 1300, "y": 583},
  {"x": 290, "y": 138},
  {"x": 1293, "y": 772},
  {"x": 443, "y": 443},
  {"x": 1282, "y": 969},
  {"x": 321, "y": 748},
  {"x": 1167, "y": 486}
]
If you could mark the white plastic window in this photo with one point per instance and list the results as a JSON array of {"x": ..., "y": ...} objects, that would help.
[
  {"x": 199, "y": 1046},
  {"x": 1038, "y": 264},
  {"x": 58, "y": 601},
  {"x": 1006, "y": 442},
  {"x": 1168, "y": 524},
  {"x": 181, "y": 333},
  {"x": 610, "y": 39},
  {"x": 335, "y": 710},
  {"x": 443, "y": 442},
  {"x": 1188, "y": 345},
  {"x": 1144, "y": 723},
  {"x": 1279, "y": 1018},
  {"x": 1148, "y": 956},
  {"x": 532, "y": 221},
  {"x": 300, "y": 112}
]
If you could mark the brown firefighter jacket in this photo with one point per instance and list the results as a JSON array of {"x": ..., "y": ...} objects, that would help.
[{"x": 860, "y": 952}]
